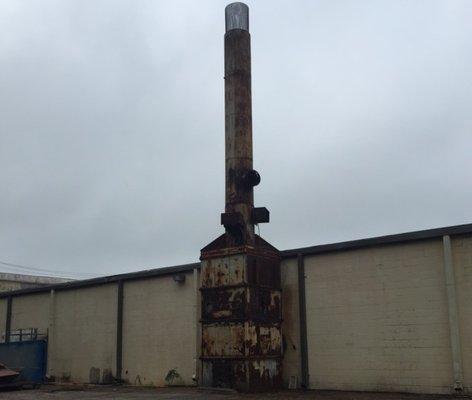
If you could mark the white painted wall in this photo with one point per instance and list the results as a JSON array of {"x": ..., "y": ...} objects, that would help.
[
  {"x": 377, "y": 319},
  {"x": 84, "y": 334},
  {"x": 159, "y": 330},
  {"x": 462, "y": 261}
]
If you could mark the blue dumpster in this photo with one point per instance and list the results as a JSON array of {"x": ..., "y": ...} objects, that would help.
[{"x": 28, "y": 357}]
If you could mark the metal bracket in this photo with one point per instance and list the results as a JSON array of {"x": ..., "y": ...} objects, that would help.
[{"x": 260, "y": 215}]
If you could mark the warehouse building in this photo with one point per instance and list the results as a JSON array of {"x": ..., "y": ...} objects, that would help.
[
  {"x": 10, "y": 281},
  {"x": 391, "y": 313}
]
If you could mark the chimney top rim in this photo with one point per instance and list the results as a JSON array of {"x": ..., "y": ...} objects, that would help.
[{"x": 237, "y": 16}]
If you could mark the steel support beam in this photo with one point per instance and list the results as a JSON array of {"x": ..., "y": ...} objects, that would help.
[
  {"x": 119, "y": 332},
  {"x": 8, "y": 319},
  {"x": 51, "y": 326},
  {"x": 453, "y": 314},
  {"x": 198, "y": 336},
  {"x": 302, "y": 318}
]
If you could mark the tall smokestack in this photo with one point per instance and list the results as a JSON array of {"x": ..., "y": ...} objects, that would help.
[
  {"x": 239, "y": 217},
  {"x": 241, "y": 300}
]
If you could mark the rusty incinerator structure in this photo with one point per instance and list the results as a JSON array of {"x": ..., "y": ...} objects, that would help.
[{"x": 241, "y": 316}]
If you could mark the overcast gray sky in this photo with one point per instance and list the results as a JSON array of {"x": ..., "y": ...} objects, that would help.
[{"x": 112, "y": 125}]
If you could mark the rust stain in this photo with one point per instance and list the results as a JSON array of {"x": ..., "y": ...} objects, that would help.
[{"x": 241, "y": 319}]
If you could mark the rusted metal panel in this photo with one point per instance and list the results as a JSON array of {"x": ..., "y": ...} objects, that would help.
[
  {"x": 229, "y": 304},
  {"x": 244, "y": 375},
  {"x": 223, "y": 271},
  {"x": 241, "y": 268},
  {"x": 223, "y": 340},
  {"x": 264, "y": 304},
  {"x": 223, "y": 373},
  {"x": 238, "y": 339},
  {"x": 239, "y": 303},
  {"x": 241, "y": 321},
  {"x": 263, "y": 340},
  {"x": 269, "y": 340},
  {"x": 264, "y": 374},
  {"x": 263, "y": 271},
  {"x": 222, "y": 246}
]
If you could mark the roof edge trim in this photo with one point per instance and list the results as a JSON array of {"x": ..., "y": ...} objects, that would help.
[{"x": 305, "y": 251}]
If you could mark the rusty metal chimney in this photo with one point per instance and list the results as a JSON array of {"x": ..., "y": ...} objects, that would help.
[
  {"x": 240, "y": 216},
  {"x": 241, "y": 311}
]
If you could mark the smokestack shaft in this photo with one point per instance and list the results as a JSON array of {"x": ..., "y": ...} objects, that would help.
[
  {"x": 240, "y": 272},
  {"x": 238, "y": 117}
]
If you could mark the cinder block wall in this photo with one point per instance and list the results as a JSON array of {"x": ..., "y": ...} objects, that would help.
[
  {"x": 31, "y": 311},
  {"x": 159, "y": 331},
  {"x": 291, "y": 321},
  {"x": 83, "y": 339},
  {"x": 377, "y": 319},
  {"x": 462, "y": 261}
]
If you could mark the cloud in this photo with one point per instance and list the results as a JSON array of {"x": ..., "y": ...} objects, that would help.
[{"x": 112, "y": 126}]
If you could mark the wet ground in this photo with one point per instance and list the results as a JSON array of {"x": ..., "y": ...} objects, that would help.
[{"x": 127, "y": 393}]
